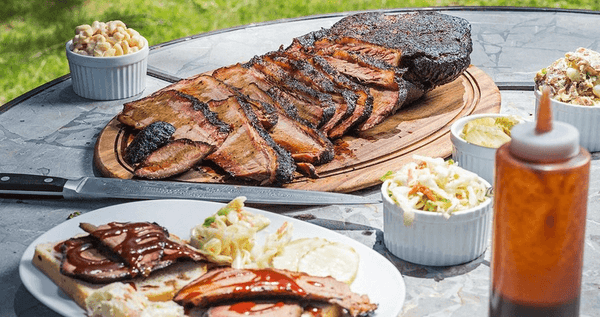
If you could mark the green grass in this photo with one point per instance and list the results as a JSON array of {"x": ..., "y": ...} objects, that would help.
[{"x": 33, "y": 33}]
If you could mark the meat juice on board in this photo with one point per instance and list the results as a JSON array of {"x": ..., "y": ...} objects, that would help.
[{"x": 540, "y": 205}]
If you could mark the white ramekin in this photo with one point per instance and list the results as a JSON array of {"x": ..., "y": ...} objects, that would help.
[
  {"x": 108, "y": 78},
  {"x": 475, "y": 158},
  {"x": 432, "y": 239},
  {"x": 585, "y": 118}
]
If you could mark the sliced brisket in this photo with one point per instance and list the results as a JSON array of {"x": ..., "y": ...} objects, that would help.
[
  {"x": 220, "y": 285},
  {"x": 173, "y": 158},
  {"x": 191, "y": 118},
  {"x": 363, "y": 102},
  {"x": 308, "y": 101},
  {"x": 256, "y": 309},
  {"x": 145, "y": 247},
  {"x": 435, "y": 47},
  {"x": 240, "y": 76},
  {"x": 304, "y": 142},
  {"x": 327, "y": 46},
  {"x": 147, "y": 141},
  {"x": 346, "y": 100},
  {"x": 120, "y": 251},
  {"x": 249, "y": 152},
  {"x": 86, "y": 259}
]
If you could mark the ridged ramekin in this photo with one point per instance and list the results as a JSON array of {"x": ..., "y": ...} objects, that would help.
[
  {"x": 432, "y": 239},
  {"x": 585, "y": 118},
  {"x": 475, "y": 158},
  {"x": 108, "y": 78}
]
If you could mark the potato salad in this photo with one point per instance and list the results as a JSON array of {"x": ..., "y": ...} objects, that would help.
[
  {"x": 574, "y": 79},
  {"x": 435, "y": 185}
]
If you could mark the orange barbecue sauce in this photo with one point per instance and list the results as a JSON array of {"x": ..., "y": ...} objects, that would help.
[{"x": 538, "y": 235}]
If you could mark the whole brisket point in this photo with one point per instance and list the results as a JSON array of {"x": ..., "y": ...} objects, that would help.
[{"x": 435, "y": 47}]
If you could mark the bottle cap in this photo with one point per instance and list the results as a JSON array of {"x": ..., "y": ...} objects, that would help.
[{"x": 545, "y": 140}]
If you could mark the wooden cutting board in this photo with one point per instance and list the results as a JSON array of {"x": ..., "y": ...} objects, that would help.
[{"x": 422, "y": 128}]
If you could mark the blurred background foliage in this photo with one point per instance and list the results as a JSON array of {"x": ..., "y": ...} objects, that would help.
[{"x": 33, "y": 33}]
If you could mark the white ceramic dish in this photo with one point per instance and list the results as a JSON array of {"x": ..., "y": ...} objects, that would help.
[
  {"x": 475, "y": 158},
  {"x": 432, "y": 239},
  {"x": 585, "y": 118},
  {"x": 178, "y": 216},
  {"x": 108, "y": 78}
]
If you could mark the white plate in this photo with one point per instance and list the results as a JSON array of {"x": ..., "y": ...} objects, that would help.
[{"x": 377, "y": 277}]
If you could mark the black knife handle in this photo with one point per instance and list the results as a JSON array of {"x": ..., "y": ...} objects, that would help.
[{"x": 28, "y": 186}]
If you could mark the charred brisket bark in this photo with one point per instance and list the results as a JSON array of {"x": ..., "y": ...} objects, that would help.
[
  {"x": 147, "y": 141},
  {"x": 435, "y": 47}
]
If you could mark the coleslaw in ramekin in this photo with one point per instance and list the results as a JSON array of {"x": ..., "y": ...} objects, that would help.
[{"x": 435, "y": 185}]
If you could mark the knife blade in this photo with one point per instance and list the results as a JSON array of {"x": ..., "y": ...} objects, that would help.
[
  {"x": 99, "y": 187},
  {"x": 338, "y": 224}
]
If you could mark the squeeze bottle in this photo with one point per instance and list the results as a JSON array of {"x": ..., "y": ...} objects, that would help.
[{"x": 540, "y": 205}]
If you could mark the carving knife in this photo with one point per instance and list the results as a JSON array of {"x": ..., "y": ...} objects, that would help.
[{"x": 24, "y": 185}]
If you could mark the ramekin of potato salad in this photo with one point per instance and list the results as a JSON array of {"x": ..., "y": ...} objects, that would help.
[
  {"x": 107, "y": 61},
  {"x": 574, "y": 82},
  {"x": 475, "y": 139},
  {"x": 435, "y": 212}
]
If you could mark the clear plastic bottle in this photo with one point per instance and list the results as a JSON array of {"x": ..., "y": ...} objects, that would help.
[{"x": 540, "y": 206}]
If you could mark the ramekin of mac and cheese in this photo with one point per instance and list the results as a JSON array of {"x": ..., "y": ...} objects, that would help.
[{"x": 107, "y": 61}]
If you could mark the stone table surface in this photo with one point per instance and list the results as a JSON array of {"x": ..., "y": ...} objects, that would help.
[{"x": 52, "y": 131}]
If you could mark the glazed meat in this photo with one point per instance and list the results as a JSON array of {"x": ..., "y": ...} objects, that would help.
[
  {"x": 144, "y": 246},
  {"x": 220, "y": 285},
  {"x": 173, "y": 158},
  {"x": 119, "y": 251},
  {"x": 101, "y": 265},
  {"x": 256, "y": 309}
]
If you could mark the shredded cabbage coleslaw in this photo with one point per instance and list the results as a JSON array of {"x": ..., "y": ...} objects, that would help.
[
  {"x": 228, "y": 237},
  {"x": 435, "y": 185}
]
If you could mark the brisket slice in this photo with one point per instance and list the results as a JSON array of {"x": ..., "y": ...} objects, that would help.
[
  {"x": 305, "y": 73},
  {"x": 249, "y": 152},
  {"x": 173, "y": 158},
  {"x": 363, "y": 100},
  {"x": 305, "y": 99},
  {"x": 191, "y": 118},
  {"x": 273, "y": 308},
  {"x": 206, "y": 88},
  {"x": 107, "y": 255},
  {"x": 86, "y": 259},
  {"x": 240, "y": 76},
  {"x": 435, "y": 47},
  {"x": 145, "y": 247},
  {"x": 301, "y": 67},
  {"x": 220, "y": 285},
  {"x": 385, "y": 103},
  {"x": 327, "y": 46},
  {"x": 147, "y": 141},
  {"x": 304, "y": 142}
]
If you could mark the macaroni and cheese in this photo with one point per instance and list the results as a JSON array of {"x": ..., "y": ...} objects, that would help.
[{"x": 112, "y": 38}]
